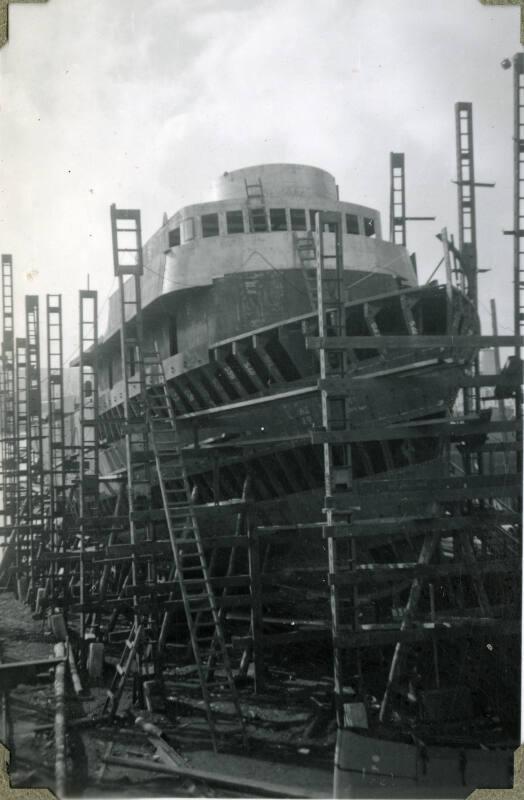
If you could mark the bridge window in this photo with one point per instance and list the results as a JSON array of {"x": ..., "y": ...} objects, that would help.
[
  {"x": 258, "y": 219},
  {"x": 352, "y": 223},
  {"x": 188, "y": 229},
  {"x": 298, "y": 219},
  {"x": 277, "y": 217},
  {"x": 235, "y": 221},
  {"x": 209, "y": 225},
  {"x": 174, "y": 237},
  {"x": 369, "y": 226}
]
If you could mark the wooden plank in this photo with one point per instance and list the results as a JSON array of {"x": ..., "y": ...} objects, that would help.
[
  {"x": 343, "y": 383},
  {"x": 256, "y": 609},
  {"x": 139, "y": 548},
  {"x": 289, "y": 533},
  {"x": 227, "y": 601},
  {"x": 445, "y": 429},
  {"x": 302, "y": 634},
  {"x": 13, "y": 668},
  {"x": 260, "y": 788},
  {"x": 70, "y": 555},
  {"x": 384, "y": 573},
  {"x": 236, "y": 445},
  {"x": 277, "y": 576},
  {"x": 168, "y": 586},
  {"x": 158, "y": 514},
  {"x": 390, "y": 526},
  {"x": 98, "y": 521},
  {"x": 486, "y": 483},
  {"x": 438, "y": 630},
  {"x": 419, "y": 342},
  {"x": 456, "y": 489}
]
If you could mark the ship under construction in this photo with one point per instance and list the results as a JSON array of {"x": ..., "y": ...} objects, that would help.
[{"x": 284, "y": 450}]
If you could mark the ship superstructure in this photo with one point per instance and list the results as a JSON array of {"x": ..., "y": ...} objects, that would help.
[{"x": 229, "y": 294}]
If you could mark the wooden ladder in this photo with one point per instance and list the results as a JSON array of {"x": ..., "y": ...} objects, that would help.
[
  {"x": 130, "y": 654},
  {"x": 256, "y": 207},
  {"x": 307, "y": 255},
  {"x": 192, "y": 574}
]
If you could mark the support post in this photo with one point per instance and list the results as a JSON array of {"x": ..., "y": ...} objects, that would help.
[
  {"x": 9, "y": 448},
  {"x": 60, "y": 723},
  {"x": 89, "y": 467},
  {"x": 496, "y": 353},
  {"x": 22, "y": 452},
  {"x": 35, "y": 455},
  {"x": 256, "y": 608},
  {"x": 55, "y": 401},
  {"x": 127, "y": 261}
]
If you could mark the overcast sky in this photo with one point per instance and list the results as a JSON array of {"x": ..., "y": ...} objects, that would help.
[{"x": 145, "y": 102}]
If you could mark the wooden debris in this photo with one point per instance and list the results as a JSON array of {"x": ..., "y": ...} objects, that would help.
[{"x": 262, "y": 788}]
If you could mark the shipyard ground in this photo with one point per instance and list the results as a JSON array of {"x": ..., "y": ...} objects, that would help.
[{"x": 291, "y": 737}]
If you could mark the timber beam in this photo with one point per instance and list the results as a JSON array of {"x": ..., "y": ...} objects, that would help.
[
  {"x": 306, "y": 527},
  {"x": 419, "y": 342},
  {"x": 341, "y": 383},
  {"x": 390, "y": 526},
  {"x": 486, "y": 484},
  {"x": 445, "y": 428},
  {"x": 444, "y": 490},
  {"x": 384, "y": 573},
  {"x": 428, "y": 631}
]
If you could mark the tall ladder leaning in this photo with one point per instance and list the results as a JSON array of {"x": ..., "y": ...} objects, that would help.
[
  {"x": 338, "y": 473},
  {"x": 159, "y": 437},
  {"x": 192, "y": 574},
  {"x": 307, "y": 255},
  {"x": 139, "y": 653}
]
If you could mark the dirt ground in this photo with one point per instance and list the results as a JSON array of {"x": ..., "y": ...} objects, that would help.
[{"x": 281, "y": 749}]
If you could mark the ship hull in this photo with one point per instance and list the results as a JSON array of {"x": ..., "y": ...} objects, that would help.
[{"x": 255, "y": 400}]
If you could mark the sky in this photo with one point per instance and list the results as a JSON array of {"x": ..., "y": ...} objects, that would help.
[{"x": 144, "y": 102}]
